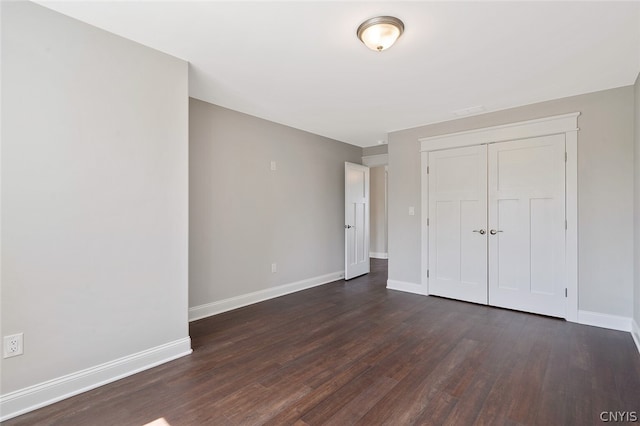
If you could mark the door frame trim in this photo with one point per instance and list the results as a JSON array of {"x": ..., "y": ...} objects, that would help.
[{"x": 566, "y": 124}]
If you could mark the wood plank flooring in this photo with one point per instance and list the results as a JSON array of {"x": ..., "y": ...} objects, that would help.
[{"x": 355, "y": 353}]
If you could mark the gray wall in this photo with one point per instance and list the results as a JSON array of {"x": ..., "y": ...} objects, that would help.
[
  {"x": 243, "y": 216},
  {"x": 94, "y": 195},
  {"x": 375, "y": 150},
  {"x": 605, "y": 193},
  {"x": 636, "y": 292},
  {"x": 377, "y": 209}
]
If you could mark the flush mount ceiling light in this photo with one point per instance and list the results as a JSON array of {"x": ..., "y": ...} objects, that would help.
[{"x": 381, "y": 32}]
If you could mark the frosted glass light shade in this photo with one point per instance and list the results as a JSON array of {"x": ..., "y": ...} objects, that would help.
[{"x": 381, "y": 32}]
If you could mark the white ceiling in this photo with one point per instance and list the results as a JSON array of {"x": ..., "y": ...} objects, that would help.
[{"x": 300, "y": 63}]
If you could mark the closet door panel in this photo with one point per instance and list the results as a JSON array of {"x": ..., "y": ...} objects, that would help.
[
  {"x": 526, "y": 225},
  {"x": 457, "y": 208}
]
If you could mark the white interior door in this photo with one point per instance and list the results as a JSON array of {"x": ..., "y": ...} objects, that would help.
[
  {"x": 356, "y": 219},
  {"x": 527, "y": 225},
  {"x": 457, "y": 223}
]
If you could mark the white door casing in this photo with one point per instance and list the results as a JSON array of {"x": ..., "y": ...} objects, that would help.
[
  {"x": 526, "y": 194},
  {"x": 356, "y": 219},
  {"x": 458, "y": 219}
]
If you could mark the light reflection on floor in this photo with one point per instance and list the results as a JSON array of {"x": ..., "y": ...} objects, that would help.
[{"x": 158, "y": 422}]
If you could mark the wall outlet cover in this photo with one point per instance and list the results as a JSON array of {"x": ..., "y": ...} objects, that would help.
[{"x": 12, "y": 345}]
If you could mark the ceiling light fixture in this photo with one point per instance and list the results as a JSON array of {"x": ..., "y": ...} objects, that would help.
[{"x": 381, "y": 32}]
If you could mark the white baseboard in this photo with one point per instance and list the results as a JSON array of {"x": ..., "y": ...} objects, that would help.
[
  {"x": 33, "y": 397},
  {"x": 406, "y": 287},
  {"x": 203, "y": 311},
  {"x": 613, "y": 322},
  {"x": 635, "y": 333},
  {"x": 378, "y": 255}
]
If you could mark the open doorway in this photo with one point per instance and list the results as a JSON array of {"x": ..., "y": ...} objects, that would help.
[
  {"x": 377, "y": 159},
  {"x": 378, "y": 248}
]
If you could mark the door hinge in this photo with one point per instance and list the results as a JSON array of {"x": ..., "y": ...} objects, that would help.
[
  {"x": 565, "y": 293},
  {"x": 427, "y": 169},
  {"x": 565, "y": 157},
  {"x": 427, "y": 221},
  {"x": 427, "y": 273},
  {"x": 566, "y": 225}
]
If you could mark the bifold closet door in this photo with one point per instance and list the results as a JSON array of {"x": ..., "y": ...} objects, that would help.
[
  {"x": 527, "y": 225},
  {"x": 457, "y": 228}
]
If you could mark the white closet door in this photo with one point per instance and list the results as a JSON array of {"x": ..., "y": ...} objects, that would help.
[
  {"x": 527, "y": 225},
  {"x": 457, "y": 223}
]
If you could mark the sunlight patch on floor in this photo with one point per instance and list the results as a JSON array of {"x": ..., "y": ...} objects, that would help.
[{"x": 158, "y": 422}]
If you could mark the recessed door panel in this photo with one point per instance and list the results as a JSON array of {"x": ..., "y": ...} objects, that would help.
[
  {"x": 543, "y": 253},
  {"x": 360, "y": 254},
  {"x": 511, "y": 250},
  {"x": 457, "y": 174},
  {"x": 522, "y": 166},
  {"x": 447, "y": 237},
  {"x": 471, "y": 243}
]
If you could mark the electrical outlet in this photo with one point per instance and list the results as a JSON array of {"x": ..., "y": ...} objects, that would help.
[
  {"x": 12, "y": 345},
  {"x": 274, "y": 267},
  {"x": 273, "y": 166}
]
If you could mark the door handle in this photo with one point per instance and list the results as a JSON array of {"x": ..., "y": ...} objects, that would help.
[
  {"x": 494, "y": 232},
  {"x": 480, "y": 231},
  {"x": 348, "y": 227}
]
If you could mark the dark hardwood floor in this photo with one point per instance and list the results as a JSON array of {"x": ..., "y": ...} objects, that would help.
[{"x": 356, "y": 353}]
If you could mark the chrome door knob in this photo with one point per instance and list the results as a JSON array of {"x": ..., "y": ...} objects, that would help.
[
  {"x": 494, "y": 232},
  {"x": 480, "y": 231},
  {"x": 348, "y": 227}
]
